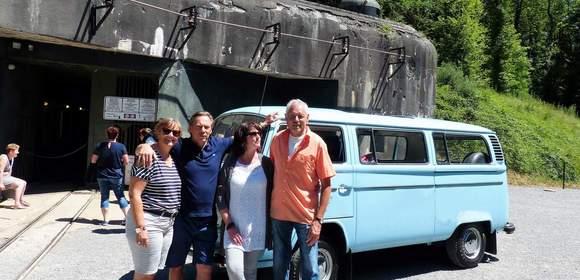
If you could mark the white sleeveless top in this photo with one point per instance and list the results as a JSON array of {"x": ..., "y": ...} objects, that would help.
[{"x": 8, "y": 167}]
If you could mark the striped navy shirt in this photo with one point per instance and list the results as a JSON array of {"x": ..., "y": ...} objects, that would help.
[{"x": 163, "y": 190}]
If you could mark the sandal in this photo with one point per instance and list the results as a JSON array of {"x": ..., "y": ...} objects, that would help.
[
  {"x": 17, "y": 207},
  {"x": 24, "y": 203}
]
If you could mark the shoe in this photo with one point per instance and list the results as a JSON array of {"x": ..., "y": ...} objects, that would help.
[
  {"x": 123, "y": 222},
  {"x": 18, "y": 207},
  {"x": 25, "y": 203},
  {"x": 104, "y": 223}
]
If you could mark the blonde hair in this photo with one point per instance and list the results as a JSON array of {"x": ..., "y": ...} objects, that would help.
[
  {"x": 168, "y": 123},
  {"x": 12, "y": 147}
]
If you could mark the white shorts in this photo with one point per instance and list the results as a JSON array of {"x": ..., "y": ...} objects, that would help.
[
  {"x": 160, "y": 231},
  {"x": 7, "y": 180}
]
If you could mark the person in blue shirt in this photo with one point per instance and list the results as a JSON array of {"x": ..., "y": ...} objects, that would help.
[
  {"x": 198, "y": 161},
  {"x": 110, "y": 157}
]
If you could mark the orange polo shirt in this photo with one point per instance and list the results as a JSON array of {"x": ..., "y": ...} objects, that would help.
[{"x": 295, "y": 194}]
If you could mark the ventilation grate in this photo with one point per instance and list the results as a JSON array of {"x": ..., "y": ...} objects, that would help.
[{"x": 498, "y": 152}]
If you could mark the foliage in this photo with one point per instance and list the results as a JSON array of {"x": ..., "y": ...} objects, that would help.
[
  {"x": 560, "y": 83},
  {"x": 453, "y": 26},
  {"x": 537, "y": 138},
  {"x": 508, "y": 62}
]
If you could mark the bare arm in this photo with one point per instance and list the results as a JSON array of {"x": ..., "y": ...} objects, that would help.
[
  {"x": 270, "y": 118},
  {"x": 125, "y": 159},
  {"x": 325, "y": 191},
  {"x": 136, "y": 188},
  {"x": 316, "y": 226},
  {"x": 2, "y": 166},
  {"x": 231, "y": 229}
]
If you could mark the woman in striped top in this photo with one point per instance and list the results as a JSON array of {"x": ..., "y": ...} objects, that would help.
[{"x": 155, "y": 193}]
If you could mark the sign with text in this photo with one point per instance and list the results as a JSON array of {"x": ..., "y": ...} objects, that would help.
[{"x": 129, "y": 109}]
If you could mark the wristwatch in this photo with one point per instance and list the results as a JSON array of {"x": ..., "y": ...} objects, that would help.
[{"x": 140, "y": 229}]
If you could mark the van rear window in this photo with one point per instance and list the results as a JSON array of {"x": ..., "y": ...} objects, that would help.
[
  {"x": 460, "y": 149},
  {"x": 378, "y": 146}
]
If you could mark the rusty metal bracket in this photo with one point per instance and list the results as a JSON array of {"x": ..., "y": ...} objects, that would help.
[
  {"x": 188, "y": 24},
  {"x": 344, "y": 42},
  {"x": 93, "y": 24},
  {"x": 264, "y": 51},
  {"x": 398, "y": 59}
]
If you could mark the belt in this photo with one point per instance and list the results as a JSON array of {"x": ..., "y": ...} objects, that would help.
[{"x": 162, "y": 213}]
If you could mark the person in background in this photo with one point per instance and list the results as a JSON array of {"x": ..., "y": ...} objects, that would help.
[
  {"x": 302, "y": 173},
  {"x": 243, "y": 199},
  {"x": 146, "y": 136},
  {"x": 7, "y": 181},
  {"x": 155, "y": 194},
  {"x": 110, "y": 157}
]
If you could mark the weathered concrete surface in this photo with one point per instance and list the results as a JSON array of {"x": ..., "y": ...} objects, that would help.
[{"x": 142, "y": 30}]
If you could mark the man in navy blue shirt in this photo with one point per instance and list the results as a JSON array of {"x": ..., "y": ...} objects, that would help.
[
  {"x": 198, "y": 161},
  {"x": 110, "y": 157}
]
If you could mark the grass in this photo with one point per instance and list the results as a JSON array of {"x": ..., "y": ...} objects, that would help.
[{"x": 538, "y": 138}]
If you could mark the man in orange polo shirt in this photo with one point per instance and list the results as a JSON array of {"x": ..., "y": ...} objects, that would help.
[{"x": 302, "y": 170}]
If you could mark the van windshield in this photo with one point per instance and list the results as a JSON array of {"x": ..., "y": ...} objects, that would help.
[{"x": 227, "y": 125}]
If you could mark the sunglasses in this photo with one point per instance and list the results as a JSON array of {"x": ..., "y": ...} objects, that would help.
[
  {"x": 176, "y": 133},
  {"x": 253, "y": 133}
]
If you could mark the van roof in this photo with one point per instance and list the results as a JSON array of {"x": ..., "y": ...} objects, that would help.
[{"x": 338, "y": 116}]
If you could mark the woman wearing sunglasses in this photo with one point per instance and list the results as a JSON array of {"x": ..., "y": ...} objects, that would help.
[
  {"x": 243, "y": 198},
  {"x": 155, "y": 194}
]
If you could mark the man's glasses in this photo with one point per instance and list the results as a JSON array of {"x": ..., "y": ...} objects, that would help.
[{"x": 176, "y": 133}]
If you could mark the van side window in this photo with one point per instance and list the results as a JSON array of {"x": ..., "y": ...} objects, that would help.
[
  {"x": 387, "y": 146},
  {"x": 461, "y": 149},
  {"x": 334, "y": 139},
  {"x": 440, "y": 148},
  {"x": 366, "y": 147}
]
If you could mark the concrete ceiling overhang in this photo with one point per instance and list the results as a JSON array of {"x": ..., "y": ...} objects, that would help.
[
  {"x": 43, "y": 49},
  {"x": 73, "y": 54}
]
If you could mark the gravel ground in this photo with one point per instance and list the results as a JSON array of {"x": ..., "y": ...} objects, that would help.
[{"x": 544, "y": 246}]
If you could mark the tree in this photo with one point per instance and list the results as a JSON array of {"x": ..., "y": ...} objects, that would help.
[
  {"x": 508, "y": 63},
  {"x": 454, "y": 27}
]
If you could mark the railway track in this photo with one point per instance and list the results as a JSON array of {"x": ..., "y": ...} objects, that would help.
[{"x": 52, "y": 233}]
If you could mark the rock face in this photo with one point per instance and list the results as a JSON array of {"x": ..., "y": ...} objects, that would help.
[{"x": 371, "y": 75}]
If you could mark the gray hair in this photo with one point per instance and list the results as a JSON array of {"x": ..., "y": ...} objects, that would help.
[{"x": 297, "y": 102}]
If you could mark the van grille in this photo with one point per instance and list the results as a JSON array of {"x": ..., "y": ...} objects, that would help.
[{"x": 498, "y": 152}]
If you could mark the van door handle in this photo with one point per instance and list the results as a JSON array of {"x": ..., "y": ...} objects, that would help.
[{"x": 343, "y": 189}]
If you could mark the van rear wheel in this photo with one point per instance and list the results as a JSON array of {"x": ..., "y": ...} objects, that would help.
[
  {"x": 327, "y": 262},
  {"x": 466, "y": 246}
]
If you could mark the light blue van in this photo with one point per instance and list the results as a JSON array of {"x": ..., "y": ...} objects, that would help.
[{"x": 402, "y": 181}]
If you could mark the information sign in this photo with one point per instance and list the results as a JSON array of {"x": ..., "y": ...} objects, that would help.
[{"x": 129, "y": 109}]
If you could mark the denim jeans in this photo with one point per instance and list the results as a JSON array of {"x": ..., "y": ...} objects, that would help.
[
  {"x": 107, "y": 184},
  {"x": 282, "y": 234}
]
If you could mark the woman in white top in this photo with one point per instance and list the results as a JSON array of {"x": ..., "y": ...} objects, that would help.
[
  {"x": 7, "y": 181},
  {"x": 243, "y": 197}
]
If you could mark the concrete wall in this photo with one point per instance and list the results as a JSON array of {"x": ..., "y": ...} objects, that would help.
[{"x": 143, "y": 30}]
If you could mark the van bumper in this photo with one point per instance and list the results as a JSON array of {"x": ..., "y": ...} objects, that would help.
[{"x": 509, "y": 228}]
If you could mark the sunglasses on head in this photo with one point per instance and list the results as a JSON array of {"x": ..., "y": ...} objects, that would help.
[{"x": 166, "y": 131}]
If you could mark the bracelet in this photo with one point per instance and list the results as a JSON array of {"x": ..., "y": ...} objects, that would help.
[{"x": 230, "y": 225}]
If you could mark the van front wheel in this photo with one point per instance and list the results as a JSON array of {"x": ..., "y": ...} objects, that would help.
[
  {"x": 466, "y": 246},
  {"x": 327, "y": 263}
]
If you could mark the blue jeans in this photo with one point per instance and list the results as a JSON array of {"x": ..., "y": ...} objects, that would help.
[
  {"x": 107, "y": 184},
  {"x": 282, "y": 234}
]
